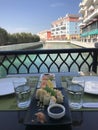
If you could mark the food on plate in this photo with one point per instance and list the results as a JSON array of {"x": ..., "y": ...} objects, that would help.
[
  {"x": 45, "y": 83},
  {"x": 40, "y": 117},
  {"x": 46, "y": 94},
  {"x": 47, "y": 80},
  {"x": 50, "y": 83},
  {"x": 50, "y": 90},
  {"x": 46, "y": 99},
  {"x": 59, "y": 96},
  {"x": 40, "y": 94},
  {"x": 60, "y": 99},
  {"x": 52, "y": 100}
]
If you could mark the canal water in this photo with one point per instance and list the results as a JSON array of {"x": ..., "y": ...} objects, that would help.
[{"x": 49, "y": 45}]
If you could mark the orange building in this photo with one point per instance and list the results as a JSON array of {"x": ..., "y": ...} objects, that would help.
[{"x": 45, "y": 35}]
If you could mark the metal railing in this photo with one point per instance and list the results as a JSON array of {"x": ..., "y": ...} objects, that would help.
[{"x": 54, "y": 60}]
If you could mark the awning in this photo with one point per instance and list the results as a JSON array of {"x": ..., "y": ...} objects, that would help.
[
  {"x": 93, "y": 32},
  {"x": 84, "y": 34}
]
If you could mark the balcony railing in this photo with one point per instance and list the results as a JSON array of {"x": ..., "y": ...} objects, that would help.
[{"x": 55, "y": 60}]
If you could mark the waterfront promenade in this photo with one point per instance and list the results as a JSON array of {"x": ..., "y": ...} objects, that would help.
[
  {"x": 83, "y": 44},
  {"x": 78, "y": 43}
]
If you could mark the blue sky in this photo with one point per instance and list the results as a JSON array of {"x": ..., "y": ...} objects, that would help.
[{"x": 34, "y": 15}]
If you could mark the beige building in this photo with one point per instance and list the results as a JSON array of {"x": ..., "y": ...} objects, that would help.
[{"x": 89, "y": 20}]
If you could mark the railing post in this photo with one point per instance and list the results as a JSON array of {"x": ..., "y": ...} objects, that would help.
[{"x": 95, "y": 62}]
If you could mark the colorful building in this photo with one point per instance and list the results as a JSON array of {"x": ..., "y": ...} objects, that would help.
[
  {"x": 89, "y": 20},
  {"x": 66, "y": 28},
  {"x": 45, "y": 35}
]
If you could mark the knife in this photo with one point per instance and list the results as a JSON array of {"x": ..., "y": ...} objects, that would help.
[{"x": 90, "y": 105}]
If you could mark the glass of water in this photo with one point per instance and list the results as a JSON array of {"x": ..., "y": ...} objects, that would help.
[
  {"x": 75, "y": 93},
  {"x": 23, "y": 94}
]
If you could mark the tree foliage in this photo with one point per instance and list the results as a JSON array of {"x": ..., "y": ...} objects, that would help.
[
  {"x": 16, "y": 38},
  {"x": 3, "y": 36}
]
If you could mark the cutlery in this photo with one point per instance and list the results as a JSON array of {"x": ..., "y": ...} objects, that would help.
[{"x": 90, "y": 105}]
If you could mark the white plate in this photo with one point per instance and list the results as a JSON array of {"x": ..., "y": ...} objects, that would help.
[
  {"x": 90, "y": 83},
  {"x": 6, "y": 85},
  {"x": 53, "y": 81}
]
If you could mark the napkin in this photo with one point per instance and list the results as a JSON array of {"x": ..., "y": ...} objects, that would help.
[
  {"x": 91, "y": 87},
  {"x": 6, "y": 88},
  {"x": 85, "y": 78},
  {"x": 90, "y": 105},
  {"x": 90, "y": 83},
  {"x": 6, "y": 85}
]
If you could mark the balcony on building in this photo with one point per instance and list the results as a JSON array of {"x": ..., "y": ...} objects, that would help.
[
  {"x": 87, "y": 2},
  {"x": 82, "y": 24},
  {"x": 81, "y": 4},
  {"x": 91, "y": 8},
  {"x": 82, "y": 10},
  {"x": 91, "y": 16}
]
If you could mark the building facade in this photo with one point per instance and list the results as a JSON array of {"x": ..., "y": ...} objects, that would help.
[
  {"x": 89, "y": 20},
  {"x": 45, "y": 35},
  {"x": 66, "y": 28}
]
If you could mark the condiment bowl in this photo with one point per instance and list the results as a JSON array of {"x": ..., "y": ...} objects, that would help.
[{"x": 56, "y": 111}]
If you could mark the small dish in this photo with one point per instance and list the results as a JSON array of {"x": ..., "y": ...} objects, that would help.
[{"x": 56, "y": 111}]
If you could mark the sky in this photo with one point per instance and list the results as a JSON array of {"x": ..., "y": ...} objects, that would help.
[{"x": 34, "y": 16}]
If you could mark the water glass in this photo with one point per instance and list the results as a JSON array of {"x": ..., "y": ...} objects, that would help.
[
  {"x": 23, "y": 94},
  {"x": 75, "y": 93}
]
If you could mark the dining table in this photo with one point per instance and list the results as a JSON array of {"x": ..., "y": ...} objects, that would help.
[{"x": 13, "y": 118}]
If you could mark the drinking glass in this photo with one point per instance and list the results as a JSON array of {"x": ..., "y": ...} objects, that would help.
[
  {"x": 75, "y": 93},
  {"x": 23, "y": 93}
]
